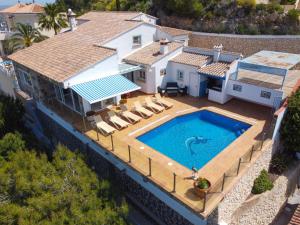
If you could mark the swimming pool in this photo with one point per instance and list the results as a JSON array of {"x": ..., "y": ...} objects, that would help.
[{"x": 194, "y": 139}]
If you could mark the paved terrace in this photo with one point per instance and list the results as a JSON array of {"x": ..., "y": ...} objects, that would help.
[{"x": 222, "y": 171}]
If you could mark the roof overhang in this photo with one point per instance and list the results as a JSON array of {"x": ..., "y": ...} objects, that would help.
[{"x": 214, "y": 76}]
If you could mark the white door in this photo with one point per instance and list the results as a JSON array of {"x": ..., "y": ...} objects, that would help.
[{"x": 194, "y": 84}]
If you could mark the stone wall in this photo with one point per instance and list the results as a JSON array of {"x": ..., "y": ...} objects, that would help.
[
  {"x": 241, "y": 190},
  {"x": 246, "y": 44},
  {"x": 153, "y": 206},
  {"x": 269, "y": 202}
]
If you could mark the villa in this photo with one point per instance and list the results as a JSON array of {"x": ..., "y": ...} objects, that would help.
[
  {"x": 110, "y": 59},
  {"x": 19, "y": 13}
]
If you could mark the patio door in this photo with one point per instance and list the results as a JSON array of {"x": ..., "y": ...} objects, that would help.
[{"x": 194, "y": 84}]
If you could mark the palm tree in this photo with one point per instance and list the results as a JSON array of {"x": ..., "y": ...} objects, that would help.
[
  {"x": 53, "y": 18},
  {"x": 24, "y": 36}
]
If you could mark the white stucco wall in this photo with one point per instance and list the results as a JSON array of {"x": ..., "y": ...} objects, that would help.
[
  {"x": 187, "y": 69},
  {"x": 252, "y": 93},
  {"x": 146, "y": 18},
  {"x": 163, "y": 64},
  {"x": 104, "y": 68},
  {"x": 163, "y": 35},
  {"x": 123, "y": 43},
  {"x": 31, "y": 19},
  {"x": 147, "y": 86},
  {"x": 7, "y": 84}
]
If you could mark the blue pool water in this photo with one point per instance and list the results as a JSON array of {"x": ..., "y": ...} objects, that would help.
[{"x": 194, "y": 139}]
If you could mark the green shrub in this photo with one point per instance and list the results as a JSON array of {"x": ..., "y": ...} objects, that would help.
[
  {"x": 262, "y": 183},
  {"x": 279, "y": 163},
  {"x": 290, "y": 129},
  {"x": 203, "y": 183},
  {"x": 11, "y": 142},
  {"x": 293, "y": 15}
]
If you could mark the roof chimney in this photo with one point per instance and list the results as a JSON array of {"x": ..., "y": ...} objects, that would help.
[
  {"x": 217, "y": 52},
  {"x": 72, "y": 19},
  {"x": 164, "y": 49}
]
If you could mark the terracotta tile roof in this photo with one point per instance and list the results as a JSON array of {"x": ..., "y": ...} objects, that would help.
[
  {"x": 151, "y": 54},
  {"x": 66, "y": 54},
  {"x": 192, "y": 59},
  {"x": 24, "y": 8},
  {"x": 174, "y": 31},
  {"x": 296, "y": 217},
  {"x": 215, "y": 69}
]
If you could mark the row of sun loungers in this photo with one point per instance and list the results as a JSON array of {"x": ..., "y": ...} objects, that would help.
[{"x": 151, "y": 107}]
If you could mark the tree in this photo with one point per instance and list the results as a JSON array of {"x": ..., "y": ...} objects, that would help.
[
  {"x": 11, "y": 142},
  {"x": 24, "y": 37},
  {"x": 11, "y": 115},
  {"x": 290, "y": 129},
  {"x": 34, "y": 190},
  {"x": 118, "y": 5},
  {"x": 53, "y": 18}
]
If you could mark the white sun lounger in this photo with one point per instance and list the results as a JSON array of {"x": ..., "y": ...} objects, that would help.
[
  {"x": 159, "y": 100},
  {"x": 131, "y": 117},
  {"x": 102, "y": 126},
  {"x": 142, "y": 111},
  {"x": 117, "y": 121},
  {"x": 154, "y": 107}
]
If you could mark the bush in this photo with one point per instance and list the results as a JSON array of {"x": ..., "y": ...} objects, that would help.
[
  {"x": 203, "y": 183},
  {"x": 11, "y": 142},
  {"x": 290, "y": 129},
  {"x": 262, "y": 183},
  {"x": 279, "y": 163}
]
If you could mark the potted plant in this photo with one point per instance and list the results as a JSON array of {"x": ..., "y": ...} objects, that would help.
[{"x": 201, "y": 187}]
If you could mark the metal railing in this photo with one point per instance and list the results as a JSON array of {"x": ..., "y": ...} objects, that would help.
[{"x": 164, "y": 176}]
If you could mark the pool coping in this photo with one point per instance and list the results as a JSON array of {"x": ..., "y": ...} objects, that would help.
[{"x": 208, "y": 169}]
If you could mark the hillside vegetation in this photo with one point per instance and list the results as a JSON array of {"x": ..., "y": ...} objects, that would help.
[
  {"x": 220, "y": 16},
  {"x": 58, "y": 188}
]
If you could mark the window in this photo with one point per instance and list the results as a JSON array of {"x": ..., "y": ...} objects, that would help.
[
  {"x": 25, "y": 77},
  {"x": 109, "y": 101},
  {"x": 265, "y": 94},
  {"x": 180, "y": 75},
  {"x": 67, "y": 95},
  {"x": 163, "y": 72},
  {"x": 142, "y": 76},
  {"x": 237, "y": 87},
  {"x": 137, "y": 40},
  {"x": 96, "y": 106}
]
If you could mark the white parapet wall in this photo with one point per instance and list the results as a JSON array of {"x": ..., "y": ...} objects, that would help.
[
  {"x": 253, "y": 93},
  {"x": 7, "y": 81}
]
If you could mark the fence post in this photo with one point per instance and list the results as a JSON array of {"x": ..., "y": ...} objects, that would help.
[
  {"x": 252, "y": 150},
  {"x": 97, "y": 131},
  {"x": 84, "y": 125},
  {"x": 149, "y": 166},
  {"x": 204, "y": 203},
  {"x": 174, "y": 182},
  {"x": 238, "y": 169},
  {"x": 262, "y": 141},
  {"x": 129, "y": 154},
  {"x": 223, "y": 183},
  {"x": 112, "y": 142}
]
